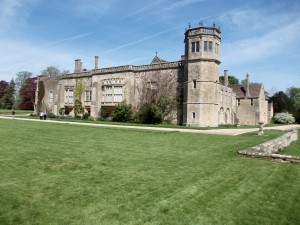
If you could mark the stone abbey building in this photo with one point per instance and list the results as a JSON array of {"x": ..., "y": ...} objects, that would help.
[{"x": 204, "y": 100}]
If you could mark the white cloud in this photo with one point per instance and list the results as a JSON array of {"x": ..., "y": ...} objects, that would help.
[
  {"x": 8, "y": 10},
  {"x": 22, "y": 56},
  {"x": 14, "y": 12},
  {"x": 182, "y": 3},
  {"x": 261, "y": 47}
]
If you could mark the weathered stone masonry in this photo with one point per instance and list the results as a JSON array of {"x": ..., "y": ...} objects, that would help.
[
  {"x": 268, "y": 149},
  {"x": 205, "y": 102}
]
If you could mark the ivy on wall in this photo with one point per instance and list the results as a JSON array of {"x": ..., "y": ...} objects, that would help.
[
  {"x": 41, "y": 94},
  {"x": 78, "y": 109}
]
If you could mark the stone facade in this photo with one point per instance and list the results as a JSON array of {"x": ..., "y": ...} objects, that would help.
[{"x": 204, "y": 101}]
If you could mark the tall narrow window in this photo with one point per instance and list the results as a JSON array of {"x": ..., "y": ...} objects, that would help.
[
  {"x": 217, "y": 48},
  {"x": 196, "y": 46},
  {"x": 50, "y": 96},
  {"x": 208, "y": 46},
  {"x": 88, "y": 96},
  {"x": 251, "y": 102},
  {"x": 194, "y": 83},
  {"x": 193, "y": 115},
  {"x": 69, "y": 96}
]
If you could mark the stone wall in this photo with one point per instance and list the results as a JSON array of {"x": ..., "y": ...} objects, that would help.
[{"x": 267, "y": 149}]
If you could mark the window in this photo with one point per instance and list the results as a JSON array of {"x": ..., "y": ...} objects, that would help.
[
  {"x": 88, "y": 96},
  {"x": 217, "y": 48},
  {"x": 193, "y": 115},
  {"x": 251, "y": 102},
  {"x": 239, "y": 102},
  {"x": 208, "y": 46},
  {"x": 195, "y": 83},
  {"x": 112, "y": 94},
  {"x": 69, "y": 96},
  {"x": 50, "y": 96},
  {"x": 118, "y": 97},
  {"x": 196, "y": 46}
]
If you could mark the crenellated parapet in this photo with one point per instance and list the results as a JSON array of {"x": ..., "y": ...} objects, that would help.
[
  {"x": 131, "y": 68},
  {"x": 126, "y": 68}
]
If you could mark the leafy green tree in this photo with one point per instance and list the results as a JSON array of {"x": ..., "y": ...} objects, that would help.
[
  {"x": 122, "y": 112},
  {"x": 281, "y": 102},
  {"x": 78, "y": 109},
  {"x": 294, "y": 95},
  {"x": 3, "y": 86},
  {"x": 9, "y": 96},
  {"x": 52, "y": 71},
  {"x": 231, "y": 80},
  {"x": 21, "y": 78}
]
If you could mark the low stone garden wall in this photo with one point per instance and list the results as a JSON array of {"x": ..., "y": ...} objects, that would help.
[{"x": 268, "y": 149}]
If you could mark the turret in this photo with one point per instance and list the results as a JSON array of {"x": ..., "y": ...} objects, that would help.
[{"x": 201, "y": 72}]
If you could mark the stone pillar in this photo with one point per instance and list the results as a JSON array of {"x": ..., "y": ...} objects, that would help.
[
  {"x": 96, "y": 62},
  {"x": 226, "y": 78}
]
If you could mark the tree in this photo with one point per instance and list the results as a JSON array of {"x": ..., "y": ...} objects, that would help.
[
  {"x": 51, "y": 71},
  {"x": 8, "y": 98},
  {"x": 281, "y": 102},
  {"x": 3, "y": 86},
  {"x": 27, "y": 94},
  {"x": 231, "y": 80},
  {"x": 21, "y": 78},
  {"x": 158, "y": 97},
  {"x": 294, "y": 95}
]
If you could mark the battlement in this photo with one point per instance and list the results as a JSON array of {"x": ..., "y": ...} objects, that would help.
[
  {"x": 201, "y": 30},
  {"x": 126, "y": 68}
]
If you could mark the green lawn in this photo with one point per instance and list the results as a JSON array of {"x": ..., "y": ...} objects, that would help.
[
  {"x": 65, "y": 174},
  {"x": 9, "y": 111},
  {"x": 293, "y": 149}
]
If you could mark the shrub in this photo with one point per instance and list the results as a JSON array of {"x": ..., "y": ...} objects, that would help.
[
  {"x": 150, "y": 113},
  {"x": 51, "y": 115},
  {"x": 85, "y": 116},
  {"x": 122, "y": 112},
  {"x": 104, "y": 114},
  {"x": 284, "y": 118}
]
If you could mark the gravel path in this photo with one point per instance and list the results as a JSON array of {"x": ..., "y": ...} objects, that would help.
[{"x": 231, "y": 132}]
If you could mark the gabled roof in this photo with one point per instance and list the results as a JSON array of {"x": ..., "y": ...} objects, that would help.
[
  {"x": 157, "y": 60},
  {"x": 240, "y": 90}
]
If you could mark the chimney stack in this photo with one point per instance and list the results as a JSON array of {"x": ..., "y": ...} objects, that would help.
[
  {"x": 226, "y": 78},
  {"x": 248, "y": 85},
  {"x": 78, "y": 66},
  {"x": 96, "y": 62}
]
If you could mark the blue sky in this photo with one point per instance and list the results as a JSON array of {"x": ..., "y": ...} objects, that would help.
[{"x": 260, "y": 37}]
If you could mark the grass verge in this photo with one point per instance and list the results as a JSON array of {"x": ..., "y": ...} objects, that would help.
[{"x": 293, "y": 149}]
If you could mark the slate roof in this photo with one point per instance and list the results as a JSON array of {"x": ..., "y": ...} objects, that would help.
[
  {"x": 157, "y": 60},
  {"x": 240, "y": 90}
]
